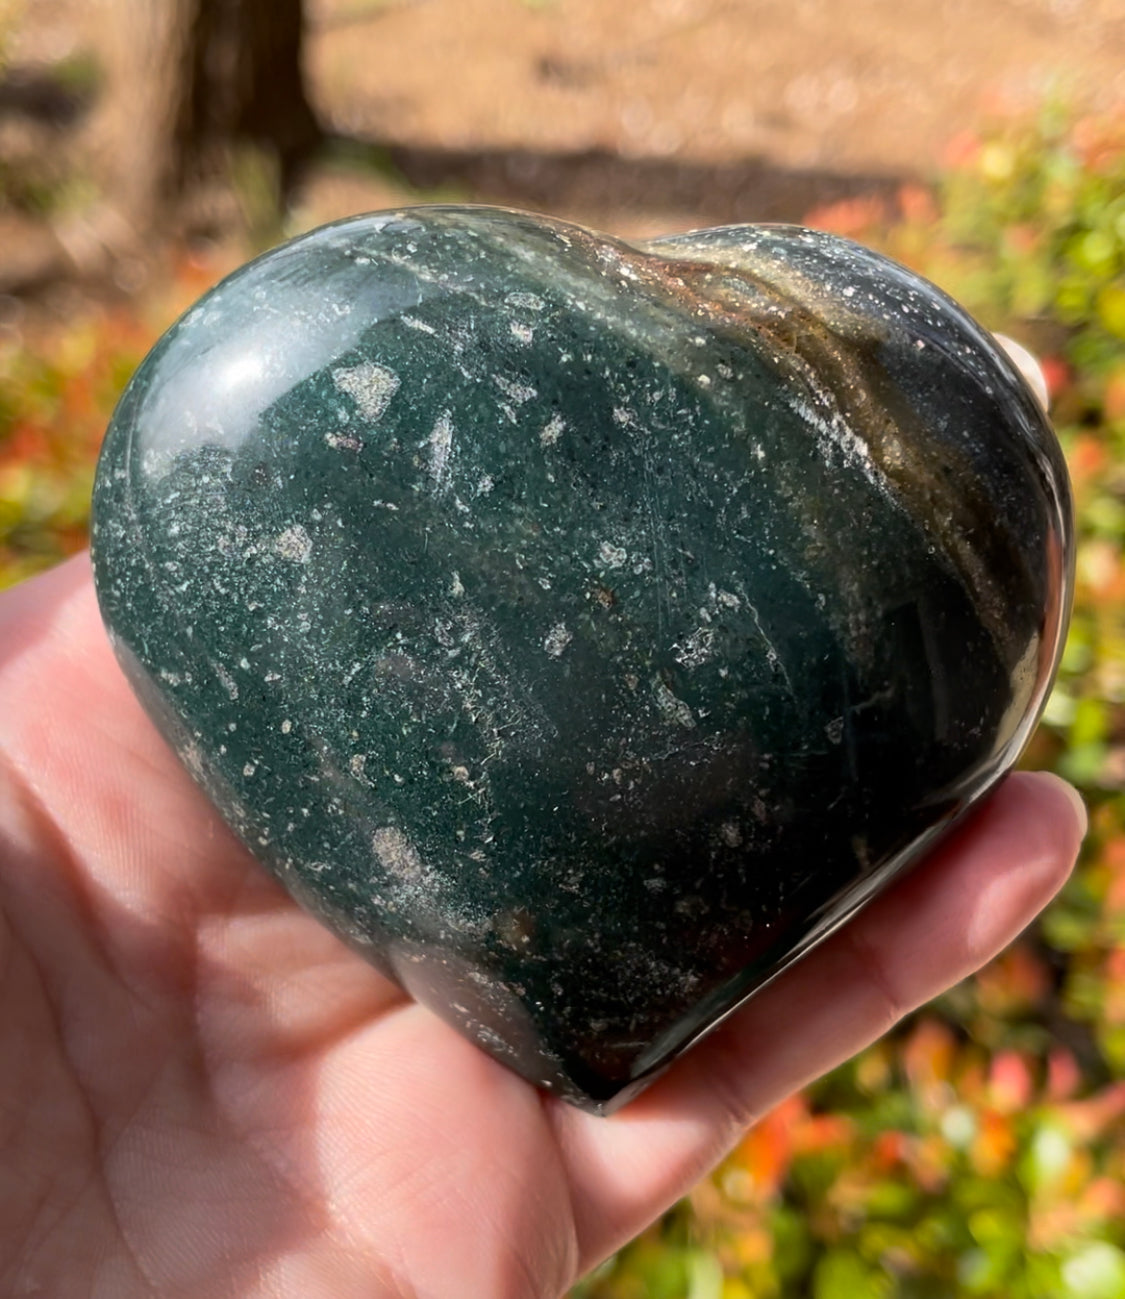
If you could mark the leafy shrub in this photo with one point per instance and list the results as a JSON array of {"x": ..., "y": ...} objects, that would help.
[{"x": 58, "y": 386}]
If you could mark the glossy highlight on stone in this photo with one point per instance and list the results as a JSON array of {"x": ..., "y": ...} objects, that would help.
[{"x": 582, "y": 630}]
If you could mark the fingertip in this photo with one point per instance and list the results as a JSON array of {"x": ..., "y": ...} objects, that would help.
[
  {"x": 1060, "y": 792},
  {"x": 1043, "y": 820}
]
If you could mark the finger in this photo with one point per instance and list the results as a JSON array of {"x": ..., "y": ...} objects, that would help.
[
  {"x": 946, "y": 919},
  {"x": 141, "y": 862},
  {"x": 79, "y": 743}
]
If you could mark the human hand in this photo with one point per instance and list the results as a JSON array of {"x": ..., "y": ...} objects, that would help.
[{"x": 203, "y": 1094}]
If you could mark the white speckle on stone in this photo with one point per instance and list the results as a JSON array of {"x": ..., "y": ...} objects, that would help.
[
  {"x": 356, "y": 764},
  {"x": 725, "y": 371},
  {"x": 396, "y": 854},
  {"x": 294, "y": 544},
  {"x": 486, "y": 484},
  {"x": 696, "y": 649},
  {"x": 705, "y": 381},
  {"x": 172, "y": 678},
  {"x": 528, "y": 301},
  {"x": 244, "y": 664},
  {"x": 673, "y": 708},
  {"x": 249, "y": 769},
  {"x": 729, "y": 599},
  {"x": 517, "y": 392},
  {"x": 440, "y": 443},
  {"x": 286, "y": 726},
  {"x": 230, "y": 685},
  {"x": 193, "y": 758},
  {"x": 731, "y": 834},
  {"x": 835, "y": 730},
  {"x": 456, "y": 589},
  {"x": 369, "y": 385},
  {"x": 412, "y": 322},
  {"x": 522, "y": 333},
  {"x": 558, "y": 638},
  {"x": 550, "y": 433},
  {"x": 611, "y": 556},
  {"x": 343, "y": 442}
]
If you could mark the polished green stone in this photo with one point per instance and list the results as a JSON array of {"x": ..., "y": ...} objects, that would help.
[{"x": 580, "y": 629}]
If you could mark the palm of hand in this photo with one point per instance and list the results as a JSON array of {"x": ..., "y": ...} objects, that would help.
[{"x": 204, "y": 1094}]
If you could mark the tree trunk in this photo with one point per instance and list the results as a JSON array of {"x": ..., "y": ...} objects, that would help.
[
  {"x": 203, "y": 100},
  {"x": 241, "y": 81},
  {"x": 128, "y": 143},
  {"x": 189, "y": 83}
]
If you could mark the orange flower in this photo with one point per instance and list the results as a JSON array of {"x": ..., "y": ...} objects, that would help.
[
  {"x": 766, "y": 1151},
  {"x": 890, "y": 1148},
  {"x": 25, "y": 442},
  {"x": 916, "y": 203},
  {"x": 1088, "y": 458},
  {"x": 1010, "y": 1084},
  {"x": 1015, "y": 981},
  {"x": 994, "y": 1144},
  {"x": 962, "y": 151},
  {"x": 1113, "y": 398},
  {"x": 1089, "y": 1118},
  {"x": 1057, "y": 375},
  {"x": 1099, "y": 141},
  {"x": 1063, "y": 1074},
  {"x": 850, "y": 217},
  {"x": 927, "y": 1058}
]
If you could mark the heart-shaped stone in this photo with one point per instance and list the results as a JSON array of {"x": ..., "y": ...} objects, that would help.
[{"x": 580, "y": 629}]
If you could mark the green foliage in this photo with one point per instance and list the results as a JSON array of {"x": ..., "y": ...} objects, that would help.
[
  {"x": 980, "y": 1150},
  {"x": 58, "y": 386}
]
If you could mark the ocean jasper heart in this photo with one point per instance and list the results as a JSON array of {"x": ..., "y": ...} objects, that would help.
[{"x": 581, "y": 629}]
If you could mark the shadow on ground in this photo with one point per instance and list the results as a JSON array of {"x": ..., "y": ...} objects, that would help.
[{"x": 597, "y": 180}]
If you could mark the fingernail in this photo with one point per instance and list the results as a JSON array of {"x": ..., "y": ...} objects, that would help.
[{"x": 1028, "y": 366}]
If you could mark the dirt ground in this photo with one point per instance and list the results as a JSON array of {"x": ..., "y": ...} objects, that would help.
[
  {"x": 643, "y": 116},
  {"x": 651, "y": 115}
]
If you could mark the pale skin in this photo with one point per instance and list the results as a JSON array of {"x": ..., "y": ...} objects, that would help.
[{"x": 203, "y": 1094}]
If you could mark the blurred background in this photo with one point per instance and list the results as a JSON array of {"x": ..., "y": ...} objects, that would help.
[{"x": 149, "y": 146}]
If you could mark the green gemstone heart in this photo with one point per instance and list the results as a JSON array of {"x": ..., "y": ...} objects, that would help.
[{"x": 580, "y": 629}]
